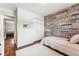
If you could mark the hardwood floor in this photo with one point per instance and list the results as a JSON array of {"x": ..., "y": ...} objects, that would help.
[{"x": 10, "y": 49}]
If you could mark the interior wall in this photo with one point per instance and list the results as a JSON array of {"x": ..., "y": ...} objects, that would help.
[
  {"x": 1, "y": 35},
  {"x": 63, "y": 23},
  {"x": 4, "y": 11},
  {"x": 9, "y": 26},
  {"x": 33, "y": 31}
]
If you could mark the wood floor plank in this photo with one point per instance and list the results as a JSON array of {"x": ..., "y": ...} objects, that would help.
[{"x": 9, "y": 49}]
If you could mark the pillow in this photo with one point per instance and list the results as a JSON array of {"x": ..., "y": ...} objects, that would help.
[{"x": 74, "y": 39}]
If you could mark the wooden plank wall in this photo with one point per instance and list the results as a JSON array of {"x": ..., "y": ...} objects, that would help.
[{"x": 63, "y": 23}]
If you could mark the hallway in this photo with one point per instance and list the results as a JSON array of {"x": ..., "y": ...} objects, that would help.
[{"x": 10, "y": 49}]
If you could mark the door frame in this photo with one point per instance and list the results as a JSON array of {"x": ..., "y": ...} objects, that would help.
[{"x": 10, "y": 18}]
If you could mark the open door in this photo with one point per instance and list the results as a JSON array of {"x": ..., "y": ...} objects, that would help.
[{"x": 9, "y": 41}]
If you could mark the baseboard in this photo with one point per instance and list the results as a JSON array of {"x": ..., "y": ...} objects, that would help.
[{"x": 24, "y": 46}]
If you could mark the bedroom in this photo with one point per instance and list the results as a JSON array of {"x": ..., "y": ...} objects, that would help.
[{"x": 40, "y": 29}]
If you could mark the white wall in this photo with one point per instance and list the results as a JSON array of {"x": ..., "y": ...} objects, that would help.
[
  {"x": 9, "y": 26},
  {"x": 1, "y": 35},
  {"x": 34, "y": 31},
  {"x": 7, "y": 12}
]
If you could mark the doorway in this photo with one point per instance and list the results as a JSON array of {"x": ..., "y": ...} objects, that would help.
[{"x": 9, "y": 41}]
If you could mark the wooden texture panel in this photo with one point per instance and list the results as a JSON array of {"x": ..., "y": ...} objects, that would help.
[{"x": 63, "y": 22}]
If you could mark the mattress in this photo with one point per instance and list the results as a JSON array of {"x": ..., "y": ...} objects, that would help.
[{"x": 62, "y": 45}]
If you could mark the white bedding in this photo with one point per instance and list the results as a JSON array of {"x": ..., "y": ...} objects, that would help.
[{"x": 62, "y": 45}]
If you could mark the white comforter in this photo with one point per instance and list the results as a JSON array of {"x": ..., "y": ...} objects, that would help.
[{"x": 62, "y": 45}]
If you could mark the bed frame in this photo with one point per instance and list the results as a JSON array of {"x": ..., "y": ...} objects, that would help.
[{"x": 56, "y": 50}]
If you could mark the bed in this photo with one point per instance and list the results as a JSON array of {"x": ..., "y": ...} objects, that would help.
[{"x": 62, "y": 45}]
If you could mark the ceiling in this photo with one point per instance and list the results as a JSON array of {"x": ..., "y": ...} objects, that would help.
[{"x": 42, "y": 9}]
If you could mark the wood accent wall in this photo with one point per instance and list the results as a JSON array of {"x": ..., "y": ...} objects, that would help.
[{"x": 63, "y": 23}]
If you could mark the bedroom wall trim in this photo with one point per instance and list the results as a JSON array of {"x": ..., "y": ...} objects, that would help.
[{"x": 28, "y": 45}]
